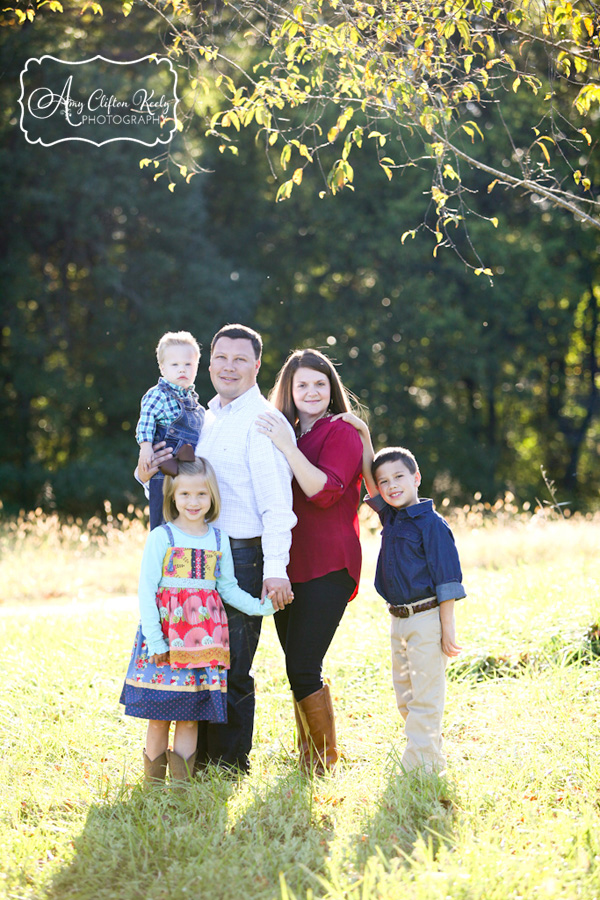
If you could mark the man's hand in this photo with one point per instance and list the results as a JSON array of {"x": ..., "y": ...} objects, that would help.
[
  {"x": 279, "y": 591},
  {"x": 160, "y": 453}
]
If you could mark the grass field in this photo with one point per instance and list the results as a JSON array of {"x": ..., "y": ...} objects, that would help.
[{"x": 518, "y": 815}]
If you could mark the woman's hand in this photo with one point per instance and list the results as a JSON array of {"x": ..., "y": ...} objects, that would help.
[
  {"x": 160, "y": 453},
  {"x": 277, "y": 429}
]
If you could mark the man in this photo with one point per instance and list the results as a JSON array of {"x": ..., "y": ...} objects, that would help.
[{"x": 255, "y": 483}]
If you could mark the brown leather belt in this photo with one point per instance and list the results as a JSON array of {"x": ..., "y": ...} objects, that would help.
[
  {"x": 411, "y": 609},
  {"x": 238, "y": 543}
]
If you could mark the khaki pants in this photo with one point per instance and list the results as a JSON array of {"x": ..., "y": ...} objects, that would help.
[{"x": 419, "y": 675}]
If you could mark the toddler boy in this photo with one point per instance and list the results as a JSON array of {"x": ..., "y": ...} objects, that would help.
[
  {"x": 419, "y": 575},
  {"x": 170, "y": 412}
]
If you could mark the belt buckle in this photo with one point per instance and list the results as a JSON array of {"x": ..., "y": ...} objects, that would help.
[{"x": 403, "y": 612}]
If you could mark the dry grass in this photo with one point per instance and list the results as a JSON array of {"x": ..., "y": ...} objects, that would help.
[{"x": 517, "y": 817}]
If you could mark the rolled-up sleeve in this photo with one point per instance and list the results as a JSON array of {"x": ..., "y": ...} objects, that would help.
[
  {"x": 442, "y": 560},
  {"x": 340, "y": 455}
]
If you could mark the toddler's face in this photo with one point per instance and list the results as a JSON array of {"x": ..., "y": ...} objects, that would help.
[
  {"x": 180, "y": 365},
  {"x": 397, "y": 484}
]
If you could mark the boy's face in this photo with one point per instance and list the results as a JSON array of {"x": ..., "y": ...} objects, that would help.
[
  {"x": 398, "y": 486},
  {"x": 180, "y": 364}
]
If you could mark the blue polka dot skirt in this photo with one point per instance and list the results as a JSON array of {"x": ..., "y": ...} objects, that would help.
[{"x": 175, "y": 695}]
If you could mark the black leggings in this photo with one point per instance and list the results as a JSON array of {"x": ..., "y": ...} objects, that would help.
[{"x": 307, "y": 625}]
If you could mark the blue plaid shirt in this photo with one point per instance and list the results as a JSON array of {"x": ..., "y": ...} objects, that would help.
[
  {"x": 418, "y": 556},
  {"x": 159, "y": 408}
]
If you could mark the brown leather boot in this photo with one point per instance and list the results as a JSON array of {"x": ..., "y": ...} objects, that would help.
[
  {"x": 155, "y": 769},
  {"x": 181, "y": 769},
  {"x": 317, "y": 709},
  {"x": 302, "y": 733}
]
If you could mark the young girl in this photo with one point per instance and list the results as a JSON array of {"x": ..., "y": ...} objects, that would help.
[{"x": 178, "y": 667}]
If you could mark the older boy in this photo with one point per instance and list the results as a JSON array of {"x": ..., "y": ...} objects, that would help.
[{"x": 419, "y": 575}]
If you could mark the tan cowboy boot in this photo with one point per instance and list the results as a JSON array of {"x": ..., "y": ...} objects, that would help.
[
  {"x": 181, "y": 769},
  {"x": 317, "y": 710},
  {"x": 155, "y": 769},
  {"x": 302, "y": 736}
]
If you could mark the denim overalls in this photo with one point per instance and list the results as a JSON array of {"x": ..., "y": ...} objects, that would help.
[{"x": 185, "y": 429}]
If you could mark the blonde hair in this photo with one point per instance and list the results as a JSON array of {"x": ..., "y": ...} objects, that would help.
[
  {"x": 172, "y": 339},
  {"x": 202, "y": 467}
]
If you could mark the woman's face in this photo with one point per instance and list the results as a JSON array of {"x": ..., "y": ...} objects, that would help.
[{"x": 311, "y": 393}]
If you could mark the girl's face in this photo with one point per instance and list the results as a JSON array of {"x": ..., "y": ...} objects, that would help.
[
  {"x": 311, "y": 393},
  {"x": 192, "y": 499}
]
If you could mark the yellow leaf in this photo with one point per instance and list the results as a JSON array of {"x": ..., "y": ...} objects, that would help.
[
  {"x": 516, "y": 83},
  {"x": 494, "y": 221},
  {"x": 284, "y": 191},
  {"x": 171, "y": 187},
  {"x": 183, "y": 170},
  {"x": 492, "y": 185},
  {"x": 408, "y": 234},
  {"x": 144, "y": 163},
  {"x": 297, "y": 176},
  {"x": 544, "y": 150},
  {"x": 586, "y": 183}
]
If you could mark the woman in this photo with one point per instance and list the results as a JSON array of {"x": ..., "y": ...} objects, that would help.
[{"x": 325, "y": 556}]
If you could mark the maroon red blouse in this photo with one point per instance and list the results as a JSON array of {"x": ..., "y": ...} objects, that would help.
[{"x": 325, "y": 538}]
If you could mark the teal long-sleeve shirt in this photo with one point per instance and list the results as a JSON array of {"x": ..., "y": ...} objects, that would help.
[{"x": 151, "y": 575}]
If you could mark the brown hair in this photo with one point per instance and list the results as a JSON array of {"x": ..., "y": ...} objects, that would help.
[
  {"x": 342, "y": 400},
  {"x": 202, "y": 467},
  {"x": 171, "y": 339},
  {"x": 239, "y": 332},
  {"x": 392, "y": 454}
]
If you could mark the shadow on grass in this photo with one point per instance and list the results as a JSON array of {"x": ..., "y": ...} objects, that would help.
[
  {"x": 216, "y": 838},
  {"x": 415, "y": 811}
]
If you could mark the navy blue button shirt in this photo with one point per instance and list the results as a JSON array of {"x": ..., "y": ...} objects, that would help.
[{"x": 418, "y": 556}]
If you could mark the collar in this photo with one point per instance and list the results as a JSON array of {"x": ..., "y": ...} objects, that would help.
[
  {"x": 176, "y": 387},
  {"x": 417, "y": 509},
  {"x": 234, "y": 405}
]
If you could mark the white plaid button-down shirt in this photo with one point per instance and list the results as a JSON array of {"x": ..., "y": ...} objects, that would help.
[{"x": 254, "y": 477}]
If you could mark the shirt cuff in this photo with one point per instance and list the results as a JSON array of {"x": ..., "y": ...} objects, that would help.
[
  {"x": 274, "y": 568},
  {"x": 144, "y": 484},
  {"x": 451, "y": 590},
  {"x": 161, "y": 646},
  {"x": 377, "y": 503}
]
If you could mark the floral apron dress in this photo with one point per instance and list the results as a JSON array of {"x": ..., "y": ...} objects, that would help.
[{"x": 193, "y": 687}]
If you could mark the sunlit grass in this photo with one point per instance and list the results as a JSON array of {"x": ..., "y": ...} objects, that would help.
[{"x": 517, "y": 816}]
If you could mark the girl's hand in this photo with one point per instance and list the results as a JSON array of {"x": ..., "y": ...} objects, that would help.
[
  {"x": 275, "y": 428},
  {"x": 159, "y": 659}
]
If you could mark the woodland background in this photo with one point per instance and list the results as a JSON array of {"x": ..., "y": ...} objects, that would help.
[{"x": 487, "y": 380}]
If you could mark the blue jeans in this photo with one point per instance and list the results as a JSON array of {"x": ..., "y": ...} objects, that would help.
[{"x": 230, "y": 744}]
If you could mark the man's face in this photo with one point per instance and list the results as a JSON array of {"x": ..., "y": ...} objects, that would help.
[{"x": 233, "y": 368}]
